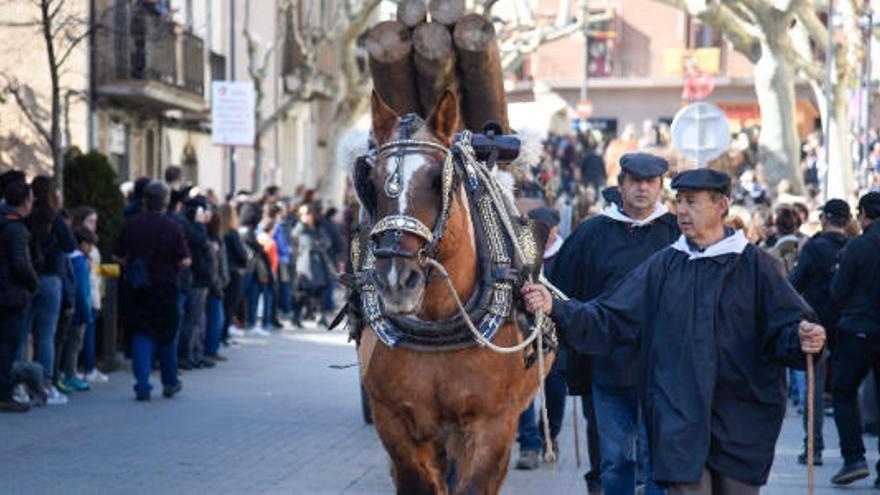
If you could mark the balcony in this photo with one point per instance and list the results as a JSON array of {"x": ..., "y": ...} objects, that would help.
[{"x": 146, "y": 60}]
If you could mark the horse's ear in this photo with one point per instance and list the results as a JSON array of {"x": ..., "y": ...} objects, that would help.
[
  {"x": 443, "y": 121},
  {"x": 384, "y": 119}
]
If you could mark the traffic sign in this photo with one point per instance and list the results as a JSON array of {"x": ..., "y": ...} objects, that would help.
[
  {"x": 700, "y": 132},
  {"x": 584, "y": 108}
]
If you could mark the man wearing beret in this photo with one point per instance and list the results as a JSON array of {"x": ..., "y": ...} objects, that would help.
[
  {"x": 856, "y": 290},
  {"x": 811, "y": 276},
  {"x": 600, "y": 252},
  {"x": 715, "y": 324}
]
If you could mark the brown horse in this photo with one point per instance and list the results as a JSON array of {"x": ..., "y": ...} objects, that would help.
[{"x": 436, "y": 412}]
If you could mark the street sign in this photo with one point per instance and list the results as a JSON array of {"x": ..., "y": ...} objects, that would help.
[
  {"x": 232, "y": 113},
  {"x": 585, "y": 108},
  {"x": 700, "y": 132}
]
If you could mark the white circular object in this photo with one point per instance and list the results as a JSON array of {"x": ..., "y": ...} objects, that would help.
[{"x": 700, "y": 132}]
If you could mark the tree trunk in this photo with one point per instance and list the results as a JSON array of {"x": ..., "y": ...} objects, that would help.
[
  {"x": 778, "y": 145},
  {"x": 390, "y": 52},
  {"x": 257, "y": 178},
  {"x": 446, "y": 12},
  {"x": 839, "y": 153},
  {"x": 434, "y": 61},
  {"x": 411, "y": 13},
  {"x": 55, "y": 129},
  {"x": 482, "y": 80}
]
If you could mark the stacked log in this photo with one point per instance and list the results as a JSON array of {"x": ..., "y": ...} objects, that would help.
[{"x": 433, "y": 47}]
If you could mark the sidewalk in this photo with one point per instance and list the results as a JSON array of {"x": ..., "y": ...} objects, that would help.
[{"x": 275, "y": 418}]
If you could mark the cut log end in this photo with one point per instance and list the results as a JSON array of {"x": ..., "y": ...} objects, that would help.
[
  {"x": 411, "y": 13},
  {"x": 432, "y": 41},
  {"x": 389, "y": 41},
  {"x": 447, "y": 12},
  {"x": 474, "y": 33}
]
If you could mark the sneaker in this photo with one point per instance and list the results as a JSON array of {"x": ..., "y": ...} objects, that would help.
[
  {"x": 205, "y": 363},
  {"x": 54, "y": 397},
  {"x": 235, "y": 332},
  {"x": 63, "y": 387},
  {"x": 218, "y": 357},
  {"x": 20, "y": 395},
  {"x": 528, "y": 460},
  {"x": 142, "y": 396},
  {"x": 851, "y": 472},
  {"x": 13, "y": 406},
  {"x": 185, "y": 364},
  {"x": 817, "y": 458},
  {"x": 172, "y": 390},
  {"x": 257, "y": 332},
  {"x": 77, "y": 384},
  {"x": 96, "y": 376}
]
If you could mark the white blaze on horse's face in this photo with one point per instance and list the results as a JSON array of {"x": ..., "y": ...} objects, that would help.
[{"x": 410, "y": 164}]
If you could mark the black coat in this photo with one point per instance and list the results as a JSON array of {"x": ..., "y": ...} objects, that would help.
[
  {"x": 812, "y": 274},
  {"x": 856, "y": 285},
  {"x": 593, "y": 259},
  {"x": 714, "y": 336},
  {"x": 311, "y": 249},
  {"x": 18, "y": 280}
]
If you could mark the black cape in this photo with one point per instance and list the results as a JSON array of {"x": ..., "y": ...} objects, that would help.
[{"x": 714, "y": 337}]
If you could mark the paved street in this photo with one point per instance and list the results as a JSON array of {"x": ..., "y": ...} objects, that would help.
[{"x": 279, "y": 417}]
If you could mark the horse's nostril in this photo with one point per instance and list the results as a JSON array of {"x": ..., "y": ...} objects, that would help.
[{"x": 412, "y": 280}]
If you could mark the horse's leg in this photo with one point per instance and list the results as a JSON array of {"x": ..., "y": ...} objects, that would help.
[
  {"x": 485, "y": 462},
  {"x": 416, "y": 467}
]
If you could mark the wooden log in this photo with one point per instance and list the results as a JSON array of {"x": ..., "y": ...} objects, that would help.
[
  {"x": 480, "y": 75},
  {"x": 412, "y": 12},
  {"x": 446, "y": 12},
  {"x": 434, "y": 61},
  {"x": 389, "y": 46}
]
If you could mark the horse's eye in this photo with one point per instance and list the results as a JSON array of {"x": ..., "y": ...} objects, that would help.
[{"x": 437, "y": 182}]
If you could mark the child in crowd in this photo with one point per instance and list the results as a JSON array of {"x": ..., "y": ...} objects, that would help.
[
  {"x": 72, "y": 340},
  {"x": 87, "y": 217}
]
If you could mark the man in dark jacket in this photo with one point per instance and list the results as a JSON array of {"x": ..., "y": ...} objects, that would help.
[
  {"x": 18, "y": 281},
  {"x": 856, "y": 290},
  {"x": 593, "y": 259},
  {"x": 715, "y": 324},
  {"x": 811, "y": 276},
  {"x": 152, "y": 248}
]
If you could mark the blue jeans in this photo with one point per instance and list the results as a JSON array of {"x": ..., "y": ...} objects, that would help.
[
  {"x": 530, "y": 433},
  {"x": 42, "y": 319},
  {"x": 142, "y": 353},
  {"x": 618, "y": 416},
  {"x": 215, "y": 321},
  {"x": 87, "y": 357},
  {"x": 253, "y": 289}
]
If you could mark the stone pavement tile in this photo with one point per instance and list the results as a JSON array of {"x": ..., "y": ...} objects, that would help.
[{"x": 275, "y": 418}]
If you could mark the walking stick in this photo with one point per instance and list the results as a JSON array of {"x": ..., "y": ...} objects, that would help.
[
  {"x": 577, "y": 439},
  {"x": 811, "y": 383}
]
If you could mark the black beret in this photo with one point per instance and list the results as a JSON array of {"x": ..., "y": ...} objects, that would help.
[
  {"x": 702, "y": 179},
  {"x": 837, "y": 208},
  {"x": 643, "y": 165},
  {"x": 546, "y": 216},
  {"x": 869, "y": 204}
]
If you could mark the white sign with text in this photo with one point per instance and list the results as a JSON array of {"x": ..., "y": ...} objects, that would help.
[{"x": 232, "y": 113}]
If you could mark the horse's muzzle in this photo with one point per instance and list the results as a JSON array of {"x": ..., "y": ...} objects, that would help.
[{"x": 401, "y": 284}]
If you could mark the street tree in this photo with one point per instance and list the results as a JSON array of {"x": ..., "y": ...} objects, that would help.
[
  {"x": 784, "y": 40},
  {"x": 63, "y": 25}
]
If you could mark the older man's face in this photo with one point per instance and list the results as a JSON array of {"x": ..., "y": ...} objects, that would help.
[{"x": 698, "y": 213}]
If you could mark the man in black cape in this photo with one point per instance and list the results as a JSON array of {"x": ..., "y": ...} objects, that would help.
[{"x": 716, "y": 324}]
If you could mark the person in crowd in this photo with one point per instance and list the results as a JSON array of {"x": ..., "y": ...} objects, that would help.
[
  {"x": 153, "y": 249},
  {"x": 811, "y": 276},
  {"x": 277, "y": 244},
  {"x": 258, "y": 274},
  {"x": 530, "y": 433},
  {"x": 594, "y": 259},
  {"x": 237, "y": 260},
  {"x": 51, "y": 242},
  {"x": 9, "y": 177},
  {"x": 18, "y": 281},
  {"x": 314, "y": 270},
  {"x": 71, "y": 340},
  {"x": 87, "y": 217},
  {"x": 329, "y": 227},
  {"x": 174, "y": 178},
  {"x": 215, "y": 314},
  {"x": 855, "y": 288},
  {"x": 281, "y": 236},
  {"x": 136, "y": 205},
  {"x": 192, "y": 338},
  {"x": 698, "y": 310},
  {"x": 268, "y": 283}
]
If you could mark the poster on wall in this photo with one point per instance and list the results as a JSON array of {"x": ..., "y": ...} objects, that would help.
[{"x": 232, "y": 113}]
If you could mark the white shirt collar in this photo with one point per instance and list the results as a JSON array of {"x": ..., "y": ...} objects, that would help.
[
  {"x": 613, "y": 212},
  {"x": 554, "y": 248},
  {"x": 732, "y": 244}
]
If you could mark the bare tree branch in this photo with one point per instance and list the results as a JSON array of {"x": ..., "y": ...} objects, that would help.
[{"x": 27, "y": 106}]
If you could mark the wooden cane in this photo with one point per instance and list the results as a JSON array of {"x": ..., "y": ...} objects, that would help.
[
  {"x": 811, "y": 383},
  {"x": 577, "y": 439}
]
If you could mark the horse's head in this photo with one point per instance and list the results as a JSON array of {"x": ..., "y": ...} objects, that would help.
[{"x": 408, "y": 192}]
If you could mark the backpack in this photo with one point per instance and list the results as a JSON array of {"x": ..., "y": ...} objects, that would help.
[{"x": 786, "y": 254}]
